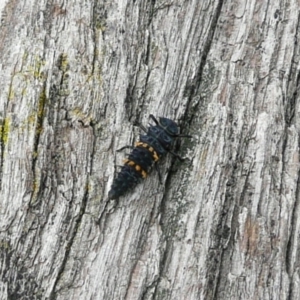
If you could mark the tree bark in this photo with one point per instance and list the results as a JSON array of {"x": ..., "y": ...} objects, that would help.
[{"x": 77, "y": 77}]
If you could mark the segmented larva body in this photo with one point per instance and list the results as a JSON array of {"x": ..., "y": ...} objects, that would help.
[{"x": 157, "y": 141}]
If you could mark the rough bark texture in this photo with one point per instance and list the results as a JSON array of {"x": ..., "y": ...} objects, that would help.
[{"x": 77, "y": 76}]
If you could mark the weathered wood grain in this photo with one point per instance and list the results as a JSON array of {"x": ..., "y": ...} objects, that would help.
[{"x": 77, "y": 77}]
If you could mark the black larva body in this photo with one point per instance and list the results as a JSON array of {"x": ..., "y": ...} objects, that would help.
[{"x": 157, "y": 141}]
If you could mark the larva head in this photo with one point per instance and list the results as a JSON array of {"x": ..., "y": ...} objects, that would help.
[{"x": 169, "y": 126}]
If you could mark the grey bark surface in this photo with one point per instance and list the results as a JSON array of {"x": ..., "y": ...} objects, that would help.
[{"x": 77, "y": 76}]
